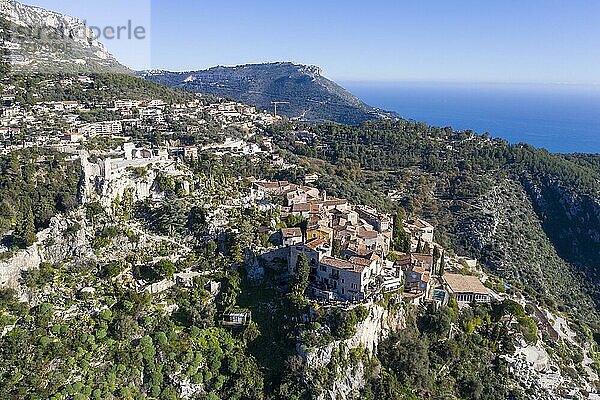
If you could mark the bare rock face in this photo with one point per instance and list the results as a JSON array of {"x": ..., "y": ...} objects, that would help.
[
  {"x": 54, "y": 245},
  {"x": 11, "y": 269},
  {"x": 40, "y": 40},
  {"x": 351, "y": 379},
  {"x": 542, "y": 372}
]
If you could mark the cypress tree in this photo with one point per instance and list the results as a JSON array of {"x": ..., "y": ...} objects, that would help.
[
  {"x": 25, "y": 230},
  {"x": 419, "y": 246}
]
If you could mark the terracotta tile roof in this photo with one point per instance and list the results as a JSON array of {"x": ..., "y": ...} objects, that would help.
[
  {"x": 422, "y": 258},
  {"x": 419, "y": 223},
  {"x": 342, "y": 264},
  {"x": 315, "y": 208},
  {"x": 301, "y": 207},
  {"x": 360, "y": 249},
  {"x": 465, "y": 284},
  {"x": 335, "y": 202},
  {"x": 361, "y": 261},
  {"x": 419, "y": 270},
  {"x": 426, "y": 277},
  {"x": 366, "y": 234},
  {"x": 291, "y": 232},
  {"x": 375, "y": 257},
  {"x": 271, "y": 185},
  {"x": 313, "y": 244}
]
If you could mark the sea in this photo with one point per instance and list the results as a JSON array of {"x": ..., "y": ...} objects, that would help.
[{"x": 562, "y": 118}]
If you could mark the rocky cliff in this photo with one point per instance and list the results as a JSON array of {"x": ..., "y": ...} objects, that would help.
[
  {"x": 39, "y": 40},
  {"x": 56, "y": 244},
  {"x": 344, "y": 361},
  {"x": 571, "y": 220}
]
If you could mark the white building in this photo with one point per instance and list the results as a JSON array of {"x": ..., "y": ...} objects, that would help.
[
  {"x": 467, "y": 289},
  {"x": 102, "y": 128}
]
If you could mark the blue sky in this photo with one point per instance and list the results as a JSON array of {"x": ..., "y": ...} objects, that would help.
[{"x": 386, "y": 40}]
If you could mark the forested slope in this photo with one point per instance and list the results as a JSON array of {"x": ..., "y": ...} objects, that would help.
[{"x": 531, "y": 216}]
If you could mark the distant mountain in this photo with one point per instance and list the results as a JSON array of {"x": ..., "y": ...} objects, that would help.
[
  {"x": 311, "y": 96},
  {"x": 37, "y": 40}
]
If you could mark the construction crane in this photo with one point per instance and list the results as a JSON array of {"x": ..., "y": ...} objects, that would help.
[{"x": 276, "y": 103}]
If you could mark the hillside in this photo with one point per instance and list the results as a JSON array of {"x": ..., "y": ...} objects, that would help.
[
  {"x": 312, "y": 97},
  {"x": 531, "y": 216},
  {"x": 36, "y": 40},
  {"x": 149, "y": 261}
]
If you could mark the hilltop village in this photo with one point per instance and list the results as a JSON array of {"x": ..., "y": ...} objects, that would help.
[
  {"x": 183, "y": 220},
  {"x": 349, "y": 250},
  {"x": 71, "y": 124},
  {"x": 349, "y": 247}
]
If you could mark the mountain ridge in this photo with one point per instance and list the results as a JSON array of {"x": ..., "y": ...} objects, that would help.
[{"x": 312, "y": 96}]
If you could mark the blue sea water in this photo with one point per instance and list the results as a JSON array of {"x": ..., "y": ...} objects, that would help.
[{"x": 559, "y": 117}]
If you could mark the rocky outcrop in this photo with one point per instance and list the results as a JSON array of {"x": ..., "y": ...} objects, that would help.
[
  {"x": 56, "y": 244},
  {"x": 11, "y": 269},
  {"x": 543, "y": 372},
  {"x": 40, "y": 40},
  {"x": 108, "y": 179},
  {"x": 350, "y": 371}
]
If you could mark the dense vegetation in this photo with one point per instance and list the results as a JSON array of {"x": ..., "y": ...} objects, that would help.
[
  {"x": 34, "y": 186},
  {"x": 104, "y": 89},
  {"x": 126, "y": 349},
  {"x": 448, "y": 353}
]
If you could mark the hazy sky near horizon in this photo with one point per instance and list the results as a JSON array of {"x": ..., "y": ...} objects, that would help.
[{"x": 546, "y": 41}]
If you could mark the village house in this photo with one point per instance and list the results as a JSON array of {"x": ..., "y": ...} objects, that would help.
[
  {"x": 314, "y": 250},
  {"x": 420, "y": 229},
  {"x": 234, "y": 319},
  {"x": 319, "y": 232},
  {"x": 348, "y": 280},
  {"x": 334, "y": 278},
  {"x": 291, "y": 236},
  {"x": 312, "y": 178},
  {"x": 467, "y": 289},
  {"x": 190, "y": 152},
  {"x": 126, "y": 104},
  {"x": 156, "y": 103},
  {"x": 380, "y": 222},
  {"x": 417, "y": 279}
]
